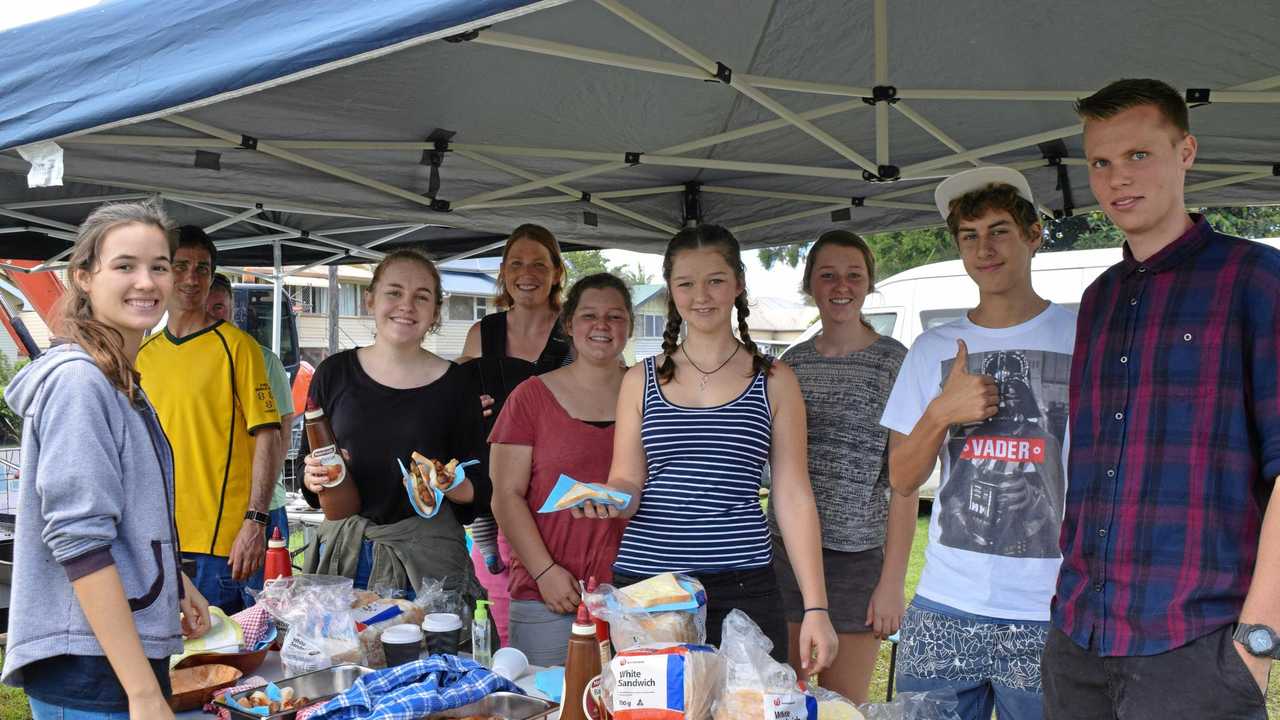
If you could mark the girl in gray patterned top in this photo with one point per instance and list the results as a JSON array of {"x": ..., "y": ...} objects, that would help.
[{"x": 846, "y": 373}]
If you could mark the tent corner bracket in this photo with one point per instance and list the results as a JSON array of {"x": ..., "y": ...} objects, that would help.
[{"x": 882, "y": 93}]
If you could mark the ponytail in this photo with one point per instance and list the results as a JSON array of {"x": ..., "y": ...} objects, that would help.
[
  {"x": 759, "y": 361},
  {"x": 670, "y": 339}
]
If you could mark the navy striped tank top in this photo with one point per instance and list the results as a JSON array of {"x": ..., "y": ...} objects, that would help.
[{"x": 700, "y": 511}]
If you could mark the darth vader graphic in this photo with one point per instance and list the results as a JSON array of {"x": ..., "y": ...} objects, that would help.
[{"x": 1005, "y": 492}]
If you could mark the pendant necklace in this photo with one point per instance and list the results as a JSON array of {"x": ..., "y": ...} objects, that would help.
[{"x": 706, "y": 376}]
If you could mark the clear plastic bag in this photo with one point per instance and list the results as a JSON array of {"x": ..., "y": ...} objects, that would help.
[
  {"x": 317, "y": 609},
  {"x": 932, "y": 705},
  {"x": 756, "y": 686},
  {"x": 631, "y": 623}
]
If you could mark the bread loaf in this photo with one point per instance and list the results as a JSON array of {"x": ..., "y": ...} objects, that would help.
[{"x": 663, "y": 682}]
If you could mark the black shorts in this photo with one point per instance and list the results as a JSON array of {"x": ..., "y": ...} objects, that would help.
[
  {"x": 851, "y": 579},
  {"x": 754, "y": 592}
]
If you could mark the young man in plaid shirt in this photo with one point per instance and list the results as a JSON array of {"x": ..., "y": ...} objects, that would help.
[{"x": 1167, "y": 602}]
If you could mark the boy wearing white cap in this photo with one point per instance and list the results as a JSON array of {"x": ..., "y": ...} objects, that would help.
[{"x": 987, "y": 396}]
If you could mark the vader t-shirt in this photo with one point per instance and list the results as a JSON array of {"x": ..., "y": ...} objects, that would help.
[{"x": 993, "y": 536}]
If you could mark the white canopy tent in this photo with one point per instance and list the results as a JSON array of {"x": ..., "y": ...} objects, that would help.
[{"x": 615, "y": 123}]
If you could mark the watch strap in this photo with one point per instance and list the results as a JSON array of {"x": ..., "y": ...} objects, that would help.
[
  {"x": 263, "y": 519},
  {"x": 1241, "y": 635}
]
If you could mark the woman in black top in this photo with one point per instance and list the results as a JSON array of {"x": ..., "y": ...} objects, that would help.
[
  {"x": 384, "y": 402},
  {"x": 505, "y": 349}
]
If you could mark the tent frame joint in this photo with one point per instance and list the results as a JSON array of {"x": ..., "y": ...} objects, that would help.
[
  {"x": 692, "y": 203},
  {"x": 248, "y": 142},
  {"x": 439, "y": 205},
  {"x": 882, "y": 94},
  {"x": 858, "y": 201},
  {"x": 1275, "y": 169},
  {"x": 724, "y": 73},
  {"x": 631, "y": 158},
  {"x": 466, "y": 36},
  {"x": 585, "y": 197},
  {"x": 883, "y": 173},
  {"x": 1198, "y": 96}
]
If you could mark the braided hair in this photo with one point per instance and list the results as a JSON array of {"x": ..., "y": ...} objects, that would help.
[{"x": 706, "y": 237}]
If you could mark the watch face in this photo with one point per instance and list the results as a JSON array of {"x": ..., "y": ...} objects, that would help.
[{"x": 1259, "y": 641}]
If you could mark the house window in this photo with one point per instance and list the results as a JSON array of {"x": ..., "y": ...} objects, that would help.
[
  {"x": 467, "y": 308},
  {"x": 651, "y": 325},
  {"x": 349, "y": 299}
]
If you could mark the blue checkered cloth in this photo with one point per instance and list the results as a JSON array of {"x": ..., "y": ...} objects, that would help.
[{"x": 415, "y": 690}]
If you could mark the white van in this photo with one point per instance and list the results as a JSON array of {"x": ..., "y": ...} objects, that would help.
[{"x": 924, "y": 297}]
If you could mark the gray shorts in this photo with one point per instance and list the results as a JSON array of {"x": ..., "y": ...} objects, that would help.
[
  {"x": 851, "y": 579},
  {"x": 539, "y": 633}
]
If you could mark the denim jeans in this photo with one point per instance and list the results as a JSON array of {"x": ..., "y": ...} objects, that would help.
[
  {"x": 213, "y": 573},
  {"x": 989, "y": 663},
  {"x": 45, "y": 711}
]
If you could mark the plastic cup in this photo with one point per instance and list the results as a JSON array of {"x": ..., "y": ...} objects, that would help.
[
  {"x": 510, "y": 663},
  {"x": 402, "y": 644},
  {"x": 444, "y": 633}
]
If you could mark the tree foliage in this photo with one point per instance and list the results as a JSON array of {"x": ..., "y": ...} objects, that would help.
[
  {"x": 582, "y": 263},
  {"x": 898, "y": 251}
]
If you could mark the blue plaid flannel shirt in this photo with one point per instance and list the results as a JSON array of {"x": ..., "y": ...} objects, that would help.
[{"x": 415, "y": 690}]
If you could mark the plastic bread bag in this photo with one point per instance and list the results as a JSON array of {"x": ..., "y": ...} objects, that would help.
[
  {"x": 322, "y": 631},
  {"x": 757, "y": 687},
  {"x": 666, "y": 608},
  {"x": 569, "y": 493},
  {"x": 426, "y": 481},
  {"x": 938, "y": 704},
  {"x": 453, "y": 594},
  {"x": 834, "y": 706},
  {"x": 663, "y": 681}
]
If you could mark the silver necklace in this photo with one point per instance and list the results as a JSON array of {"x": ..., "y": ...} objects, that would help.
[{"x": 706, "y": 376}]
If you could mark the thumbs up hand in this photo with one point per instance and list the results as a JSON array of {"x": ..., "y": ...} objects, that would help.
[{"x": 966, "y": 398}]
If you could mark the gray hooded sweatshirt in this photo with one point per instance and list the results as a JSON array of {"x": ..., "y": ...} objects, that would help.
[{"x": 96, "y": 489}]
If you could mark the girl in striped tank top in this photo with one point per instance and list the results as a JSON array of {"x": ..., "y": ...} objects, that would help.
[{"x": 695, "y": 427}]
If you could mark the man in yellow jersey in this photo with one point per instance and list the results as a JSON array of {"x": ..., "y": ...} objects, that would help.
[{"x": 209, "y": 385}]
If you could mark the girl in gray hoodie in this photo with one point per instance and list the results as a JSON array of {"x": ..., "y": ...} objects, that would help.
[{"x": 98, "y": 596}]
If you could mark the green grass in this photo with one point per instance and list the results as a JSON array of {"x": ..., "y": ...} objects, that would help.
[
  {"x": 13, "y": 704},
  {"x": 879, "y": 681}
]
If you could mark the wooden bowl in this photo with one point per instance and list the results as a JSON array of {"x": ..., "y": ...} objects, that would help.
[
  {"x": 246, "y": 662},
  {"x": 194, "y": 686}
]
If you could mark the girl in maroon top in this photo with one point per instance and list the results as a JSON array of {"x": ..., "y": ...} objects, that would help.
[{"x": 560, "y": 422}]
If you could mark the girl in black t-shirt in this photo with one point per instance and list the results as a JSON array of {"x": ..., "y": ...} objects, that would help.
[{"x": 384, "y": 402}]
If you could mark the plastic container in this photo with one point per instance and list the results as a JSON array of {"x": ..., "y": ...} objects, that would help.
[
  {"x": 340, "y": 499},
  {"x": 481, "y": 637},
  {"x": 582, "y": 663},
  {"x": 278, "y": 563}
]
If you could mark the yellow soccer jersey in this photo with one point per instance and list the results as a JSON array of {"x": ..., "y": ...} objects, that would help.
[{"x": 211, "y": 392}]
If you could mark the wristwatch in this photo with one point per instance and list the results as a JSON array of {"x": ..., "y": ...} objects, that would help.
[
  {"x": 261, "y": 518},
  {"x": 1259, "y": 640}
]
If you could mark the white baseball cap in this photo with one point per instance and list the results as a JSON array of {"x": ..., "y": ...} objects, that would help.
[{"x": 976, "y": 179}]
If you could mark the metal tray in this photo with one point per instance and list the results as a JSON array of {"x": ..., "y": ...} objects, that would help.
[
  {"x": 505, "y": 705},
  {"x": 318, "y": 686}
]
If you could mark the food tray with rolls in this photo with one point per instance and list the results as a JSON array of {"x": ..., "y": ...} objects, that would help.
[{"x": 316, "y": 687}]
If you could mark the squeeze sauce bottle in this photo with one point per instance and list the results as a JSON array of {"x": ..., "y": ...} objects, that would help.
[
  {"x": 581, "y": 664},
  {"x": 278, "y": 564}
]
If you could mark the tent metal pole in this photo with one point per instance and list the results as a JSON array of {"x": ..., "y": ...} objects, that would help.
[
  {"x": 547, "y": 200},
  {"x": 692, "y": 145},
  {"x": 550, "y": 181},
  {"x": 474, "y": 251},
  {"x": 356, "y": 249},
  {"x": 291, "y": 157},
  {"x": 881, "y": 73},
  {"x": 277, "y": 288},
  {"x": 639, "y": 192},
  {"x": 704, "y": 62},
  {"x": 241, "y": 270},
  {"x": 823, "y": 199},
  {"x": 394, "y": 236},
  {"x": 76, "y": 201},
  {"x": 251, "y": 241},
  {"x": 637, "y": 217},
  {"x": 1006, "y": 146},
  {"x": 18, "y": 215},
  {"x": 1222, "y": 182},
  {"x": 232, "y": 220},
  {"x": 788, "y": 218}
]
